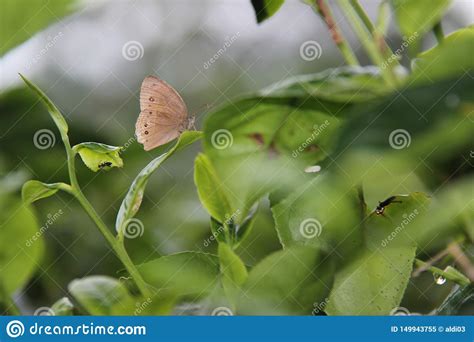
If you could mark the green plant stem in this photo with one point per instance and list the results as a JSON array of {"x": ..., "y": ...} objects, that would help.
[
  {"x": 440, "y": 272},
  {"x": 362, "y": 15},
  {"x": 377, "y": 31},
  {"x": 366, "y": 39},
  {"x": 438, "y": 32},
  {"x": 325, "y": 12},
  {"x": 116, "y": 244}
]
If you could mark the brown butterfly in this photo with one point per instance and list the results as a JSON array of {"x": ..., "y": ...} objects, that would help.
[{"x": 163, "y": 114}]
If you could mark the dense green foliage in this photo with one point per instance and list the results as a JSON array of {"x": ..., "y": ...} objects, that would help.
[{"x": 341, "y": 251}]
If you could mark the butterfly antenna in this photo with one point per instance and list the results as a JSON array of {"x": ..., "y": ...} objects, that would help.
[{"x": 200, "y": 111}]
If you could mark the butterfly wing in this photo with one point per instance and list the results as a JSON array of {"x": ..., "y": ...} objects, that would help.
[{"x": 163, "y": 113}]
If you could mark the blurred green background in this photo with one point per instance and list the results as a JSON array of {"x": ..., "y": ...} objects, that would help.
[{"x": 77, "y": 52}]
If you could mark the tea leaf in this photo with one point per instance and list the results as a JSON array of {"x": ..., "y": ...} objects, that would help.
[
  {"x": 264, "y": 9},
  {"x": 345, "y": 85},
  {"x": 321, "y": 213},
  {"x": 445, "y": 60},
  {"x": 34, "y": 190},
  {"x": 234, "y": 273},
  {"x": 186, "y": 273},
  {"x": 52, "y": 109},
  {"x": 396, "y": 225},
  {"x": 264, "y": 143},
  {"x": 270, "y": 289},
  {"x": 416, "y": 17},
  {"x": 99, "y": 156},
  {"x": 211, "y": 192},
  {"x": 102, "y": 296},
  {"x": 132, "y": 201},
  {"x": 21, "y": 244},
  {"x": 373, "y": 283}
]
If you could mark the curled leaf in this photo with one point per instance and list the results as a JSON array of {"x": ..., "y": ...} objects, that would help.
[
  {"x": 34, "y": 190},
  {"x": 99, "y": 156}
]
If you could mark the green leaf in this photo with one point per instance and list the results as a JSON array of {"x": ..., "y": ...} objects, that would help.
[
  {"x": 52, "y": 109},
  {"x": 234, "y": 273},
  {"x": 246, "y": 226},
  {"x": 397, "y": 125},
  {"x": 34, "y": 190},
  {"x": 210, "y": 189},
  {"x": 290, "y": 281},
  {"x": 458, "y": 297},
  {"x": 99, "y": 156},
  {"x": 21, "y": 19},
  {"x": 373, "y": 283},
  {"x": 21, "y": 244},
  {"x": 63, "y": 307},
  {"x": 395, "y": 226},
  {"x": 447, "y": 59},
  {"x": 346, "y": 85},
  {"x": 321, "y": 214},
  {"x": 447, "y": 214},
  {"x": 133, "y": 199},
  {"x": 102, "y": 296},
  {"x": 416, "y": 17},
  {"x": 186, "y": 273},
  {"x": 263, "y": 143},
  {"x": 264, "y": 9}
]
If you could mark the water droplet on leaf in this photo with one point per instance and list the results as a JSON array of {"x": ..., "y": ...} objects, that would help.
[{"x": 439, "y": 279}]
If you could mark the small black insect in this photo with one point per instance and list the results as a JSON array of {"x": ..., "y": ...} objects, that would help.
[
  {"x": 104, "y": 164},
  {"x": 381, "y": 207}
]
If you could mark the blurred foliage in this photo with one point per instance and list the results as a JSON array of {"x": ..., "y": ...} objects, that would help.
[
  {"x": 266, "y": 8},
  {"x": 21, "y": 19},
  {"x": 393, "y": 184},
  {"x": 415, "y": 18}
]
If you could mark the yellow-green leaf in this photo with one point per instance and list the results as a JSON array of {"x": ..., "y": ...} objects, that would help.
[
  {"x": 210, "y": 189},
  {"x": 99, "y": 156},
  {"x": 34, "y": 190}
]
